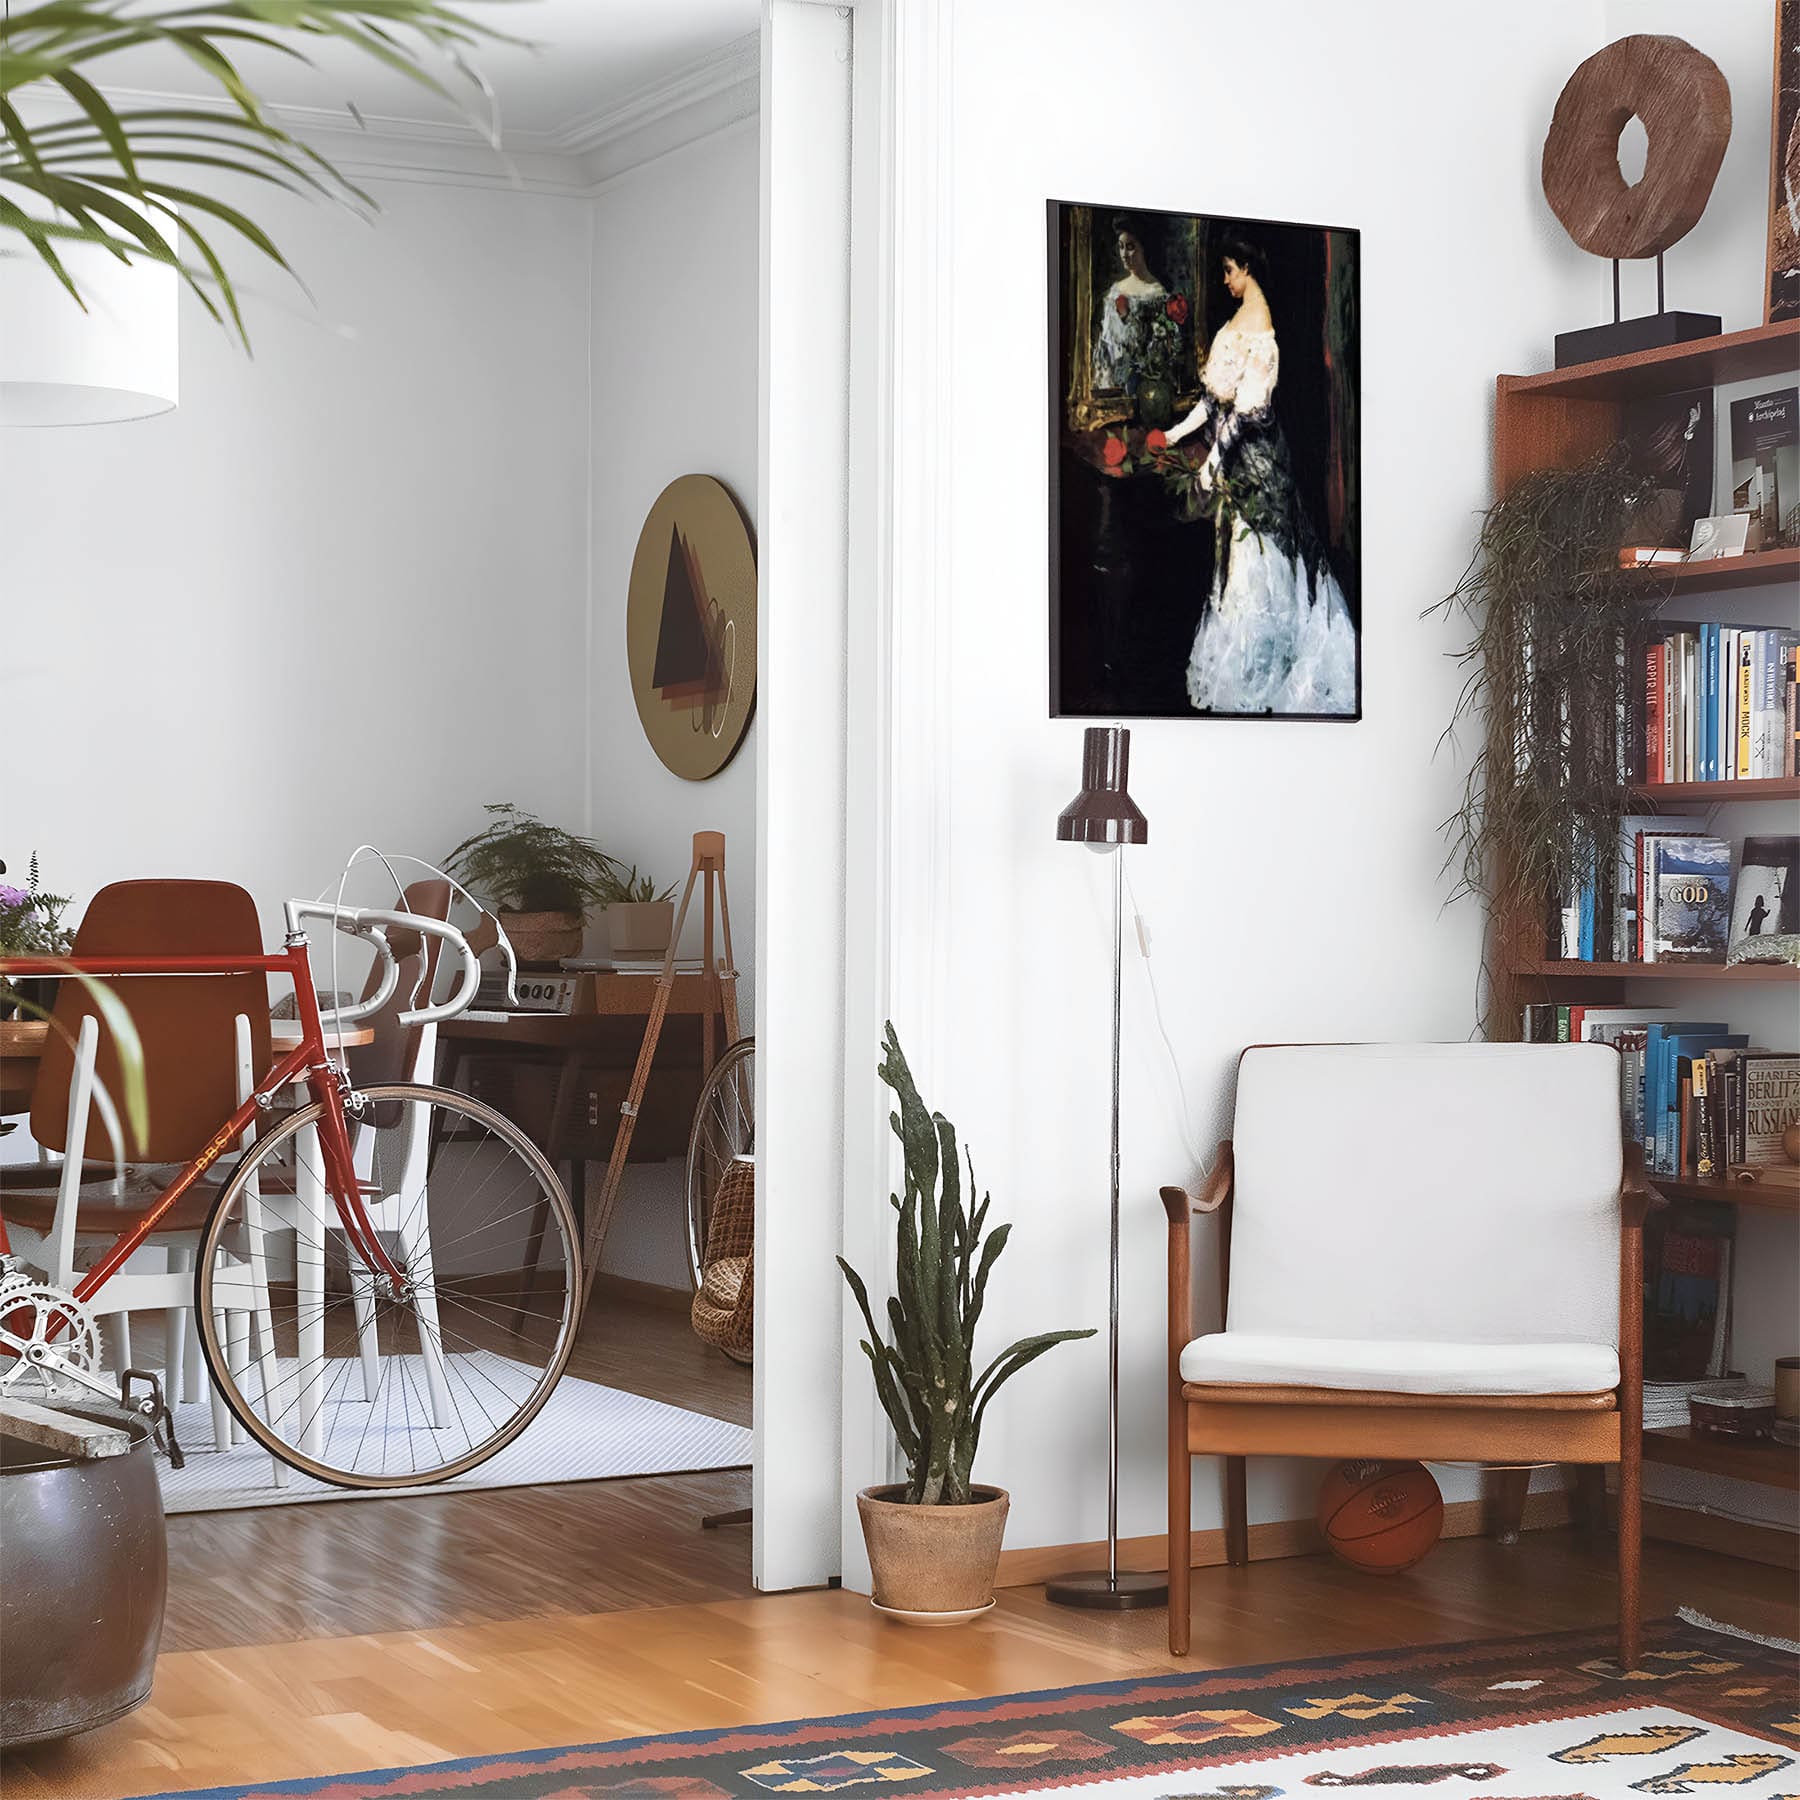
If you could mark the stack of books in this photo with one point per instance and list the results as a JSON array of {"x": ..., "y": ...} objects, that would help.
[
  {"x": 1699, "y": 1097},
  {"x": 1678, "y": 894},
  {"x": 1719, "y": 704}
]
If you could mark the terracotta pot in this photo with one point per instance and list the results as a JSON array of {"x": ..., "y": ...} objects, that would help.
[
  {"x": 932, "y": 1559},
  {"x": 541, "y": 940},
  {"x": 640, "y": 927}
]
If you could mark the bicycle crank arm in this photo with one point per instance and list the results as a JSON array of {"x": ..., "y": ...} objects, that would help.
[{"x": 48, "y": 1358}]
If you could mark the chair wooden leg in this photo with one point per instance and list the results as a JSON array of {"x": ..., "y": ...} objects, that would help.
[
  {"x": 1237, "y": 1513},
  {"x": 1630, "y": 1553},
  {"x": 1506, "y": 1502},
  {"x": 1181, "y": 1550},
  {"x": 1590, "y": 1499}
]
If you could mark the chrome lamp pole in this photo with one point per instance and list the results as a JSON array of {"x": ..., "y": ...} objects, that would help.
[{"x": 1104, "y": 817}]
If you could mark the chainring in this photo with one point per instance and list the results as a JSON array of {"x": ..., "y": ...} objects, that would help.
[{"x": 34, "y": 1312}]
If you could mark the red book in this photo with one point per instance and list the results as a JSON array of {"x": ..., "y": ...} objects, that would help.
[{"x": 1653, "y": 714}]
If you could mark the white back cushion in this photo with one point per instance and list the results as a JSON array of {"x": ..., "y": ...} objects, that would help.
[{"x": 1456, "y": 1192}]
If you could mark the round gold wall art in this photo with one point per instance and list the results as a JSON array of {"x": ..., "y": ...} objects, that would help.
[{"x": 690, "y": 626}]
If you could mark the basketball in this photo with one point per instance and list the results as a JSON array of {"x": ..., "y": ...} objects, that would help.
[{"x": 1380, "y": 1517}]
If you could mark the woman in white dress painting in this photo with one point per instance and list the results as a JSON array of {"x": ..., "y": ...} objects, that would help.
[{"x": 1276, "y": 635}]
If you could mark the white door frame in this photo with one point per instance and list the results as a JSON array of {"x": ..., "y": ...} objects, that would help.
[{"x": 852, "y": 775}]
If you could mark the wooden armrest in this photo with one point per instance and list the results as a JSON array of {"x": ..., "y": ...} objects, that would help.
[
  {"x": 1179, "y": 1204},
  {"x": 1636, "y": 1196}
]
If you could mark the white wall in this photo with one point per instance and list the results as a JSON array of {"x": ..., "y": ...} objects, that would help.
[
  {"x": 674, "y": 345},
  {"x": 1292, "y": 878},
  {"x": 376, "y": 527}
]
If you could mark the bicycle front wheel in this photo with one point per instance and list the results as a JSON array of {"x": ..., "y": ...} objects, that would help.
[{"x": 358, "y": 1379}]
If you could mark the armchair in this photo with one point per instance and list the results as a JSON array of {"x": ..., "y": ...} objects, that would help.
[{"x": 1428, "y": 1251}]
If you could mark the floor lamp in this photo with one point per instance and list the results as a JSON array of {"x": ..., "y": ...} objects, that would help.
[{"x": 1104, "y": 817}]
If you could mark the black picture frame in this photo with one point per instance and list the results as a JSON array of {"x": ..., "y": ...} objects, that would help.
[{"x": 1130, "y": 579}]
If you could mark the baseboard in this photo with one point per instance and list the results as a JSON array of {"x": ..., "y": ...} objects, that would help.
[
  {"x": 644, "y": 1293},
  {"x": 1272, "y": 1538},
  {"x": 1730, "y": 1537}
]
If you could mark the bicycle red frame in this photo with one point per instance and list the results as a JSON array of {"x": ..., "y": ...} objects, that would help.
[{"x": 308, "y": 1060}]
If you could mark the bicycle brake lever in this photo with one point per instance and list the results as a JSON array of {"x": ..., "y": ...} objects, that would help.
[{"x": 156, "y": 1409}]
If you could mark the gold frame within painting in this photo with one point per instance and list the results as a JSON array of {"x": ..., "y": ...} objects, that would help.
[{"x": 1090, "y": 407}]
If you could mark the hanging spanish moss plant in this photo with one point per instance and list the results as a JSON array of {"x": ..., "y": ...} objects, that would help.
[{"x": 1549, "y": 679}]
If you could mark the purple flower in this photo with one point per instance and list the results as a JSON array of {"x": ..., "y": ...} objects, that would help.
[{"x": 13, "y": 896}]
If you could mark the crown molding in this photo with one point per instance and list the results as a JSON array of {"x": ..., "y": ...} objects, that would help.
[
  {"x": 723, "y": 72},
  {"x": 706, "y": 96}
]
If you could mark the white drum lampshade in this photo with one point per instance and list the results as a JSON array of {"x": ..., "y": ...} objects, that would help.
[{"x": 61, "y": 366}]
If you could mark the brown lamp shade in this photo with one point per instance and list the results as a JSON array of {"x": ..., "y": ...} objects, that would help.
[{"x": 1103, "y": 812}]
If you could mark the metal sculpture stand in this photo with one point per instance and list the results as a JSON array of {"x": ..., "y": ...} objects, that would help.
[{"x": 720, "y": 975}]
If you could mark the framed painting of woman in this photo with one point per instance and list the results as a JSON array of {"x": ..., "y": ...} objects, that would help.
[{"x": 1204, "y": 466}]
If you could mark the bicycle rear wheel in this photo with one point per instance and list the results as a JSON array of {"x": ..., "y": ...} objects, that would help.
[
  {"x": 724, "y": 1127},
  {"x": 348, "y": 1376}
]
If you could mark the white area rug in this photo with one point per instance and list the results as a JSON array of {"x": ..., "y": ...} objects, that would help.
[{"x": 586, "y": 1432}]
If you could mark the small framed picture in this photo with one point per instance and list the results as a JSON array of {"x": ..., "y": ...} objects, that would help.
[{"x": 1724, "y": 534}]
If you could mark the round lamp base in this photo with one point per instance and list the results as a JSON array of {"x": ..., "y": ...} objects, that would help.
[{"x": 1099, "y": 1592}]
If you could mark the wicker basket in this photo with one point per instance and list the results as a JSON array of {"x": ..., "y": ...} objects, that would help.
[{"x": 722, "y": 1312}]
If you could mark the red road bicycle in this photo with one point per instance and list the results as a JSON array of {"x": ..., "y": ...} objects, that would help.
[{"x": 387, "y": 1281}]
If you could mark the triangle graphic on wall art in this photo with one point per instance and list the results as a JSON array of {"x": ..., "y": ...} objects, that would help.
[{"x": 687, "y": 667}]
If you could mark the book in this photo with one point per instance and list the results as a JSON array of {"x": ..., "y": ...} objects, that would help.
[
  {"x": 1632, "y": 830},
  {"x": 1669, "y": 439},
  {"x": 1766, "y": 897},
  {"x": 1688, "y": 880},
  {"x": 1687, "y": 1302},
  {"x": 1768, "y": 701},
  {"x": 1765, "y": 461},
  {"x": 1768, "y": 1103},
  {"x": 1741, "y": 764}
]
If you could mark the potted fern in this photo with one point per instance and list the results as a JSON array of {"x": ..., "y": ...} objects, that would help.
[
  {"x": 934, "y": 1539},
  {"x": 542, "y": 878}
]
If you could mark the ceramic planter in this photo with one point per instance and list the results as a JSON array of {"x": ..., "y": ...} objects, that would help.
[
  {"x": 81, "y": 1609},
  {"x": 933, "y": 1565},
  {"x": 640, "y": 928},
  {"x": 542, "y": 939}
]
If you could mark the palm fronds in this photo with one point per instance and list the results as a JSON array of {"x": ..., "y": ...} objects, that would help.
[{"x": 139, "y": 182}]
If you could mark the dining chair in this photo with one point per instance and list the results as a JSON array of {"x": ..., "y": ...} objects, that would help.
[
  {"x": 203, "y": 1041},
  {"x": 1425, "y": 1251}
]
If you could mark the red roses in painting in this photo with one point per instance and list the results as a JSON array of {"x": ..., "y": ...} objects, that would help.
[{"x": 1177, "y": 308}]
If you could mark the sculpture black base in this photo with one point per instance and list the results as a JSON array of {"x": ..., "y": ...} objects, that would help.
[
  {"x": 1093, "y": 1589},
  {"x": 1625, "y": 337}
]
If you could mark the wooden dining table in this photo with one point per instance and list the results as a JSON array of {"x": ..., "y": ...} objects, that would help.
[{"x": 22, "y": 1044}]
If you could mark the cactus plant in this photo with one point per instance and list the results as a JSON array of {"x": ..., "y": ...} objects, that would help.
[{"x": 925, "y": 1375}]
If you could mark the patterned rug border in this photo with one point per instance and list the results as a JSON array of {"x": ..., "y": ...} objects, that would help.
[{"x": 1037, "y": 1702}]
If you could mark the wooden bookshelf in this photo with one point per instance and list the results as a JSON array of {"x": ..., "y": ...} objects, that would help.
[
  {"x": 1765, "y": 1197},
  {"x": 1551, "y": 970},
  {"x": 1743, "y": 1459},
  {"x": 1759, "y": 568},
  {"x": 1753, "y": 355},
  {"x": 1713, "y": 793}
]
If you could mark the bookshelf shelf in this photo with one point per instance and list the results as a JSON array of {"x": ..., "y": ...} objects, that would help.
[
  {"x": 1758, "y": 1460},
  {"x": 1769, "y": 1197},
  {"x": 1764, "y": 350},
  {"x": 1777, "y": 787},
  {"x": 1656, "y": 971},
  {"x": 1759, "y": 568}
]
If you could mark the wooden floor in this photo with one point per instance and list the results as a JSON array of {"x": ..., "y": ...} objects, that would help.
[
  {"x": 281, "y": 1573},
  {"x": 336, "y": 1704},
  {"x": 315, "y": 1640}
]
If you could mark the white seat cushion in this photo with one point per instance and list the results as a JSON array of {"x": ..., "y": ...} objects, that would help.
[{"x": 1394, "y": 1366}]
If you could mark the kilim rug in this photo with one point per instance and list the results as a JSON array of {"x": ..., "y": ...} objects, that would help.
[{"x": 1542, "y": 1718}]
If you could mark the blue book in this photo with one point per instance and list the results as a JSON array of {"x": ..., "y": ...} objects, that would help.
[
  {"x": 1693, "y": 1040},
  {"x": 1585, "y": 944},
  {"x": 1654, "y": 1101}
]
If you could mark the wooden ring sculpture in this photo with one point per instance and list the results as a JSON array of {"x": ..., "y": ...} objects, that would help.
[{"x": 1684, "y": 102}]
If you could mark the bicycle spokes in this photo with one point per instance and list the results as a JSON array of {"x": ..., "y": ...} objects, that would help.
[{"x": 413, "y": 1346}]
